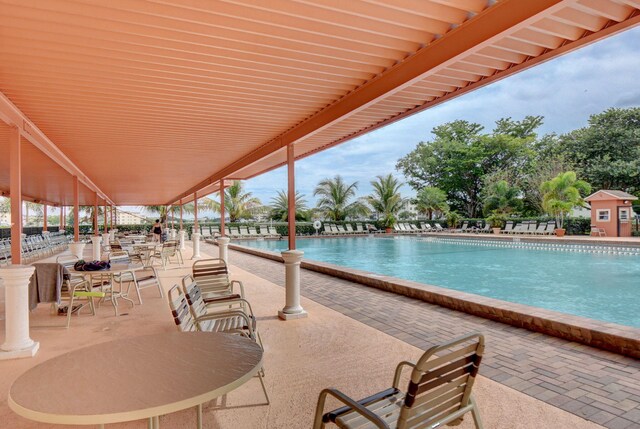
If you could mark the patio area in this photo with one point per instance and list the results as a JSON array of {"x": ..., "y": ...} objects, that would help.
[{"x": 330, "y": 348}]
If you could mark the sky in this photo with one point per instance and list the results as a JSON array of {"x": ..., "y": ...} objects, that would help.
[{"x": 566, "y": 91}]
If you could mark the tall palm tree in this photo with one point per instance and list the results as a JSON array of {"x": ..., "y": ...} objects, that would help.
[
  {"x": 174, "y": 210},
  {"x": 280, "y": 206},
  {"x": 239, "y": 204},
  {"x": 431, "y": 200},
  {"x": 335, "y": 199},
  {"x": 562, "y": 194},
  {"x": 386, "y": 199},
  {"x": 35, "y": 208}
]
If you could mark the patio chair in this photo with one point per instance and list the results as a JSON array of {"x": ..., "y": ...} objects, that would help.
[
  {"x": 485, "y": 229},
  {"x": 595, "y": 231},
  {"x": 235, "y": 232},
  {"x": 372, "y": 228},
  {"x": 186, "y": 321},
  {"x": 141, "y": 279},
  {"x": 169, "y": 250},
  {"x": 438, "y": 227},
  {"x": 540, "y": 229},
  {"x": 439, "y": 392},
  {"x": 253, "y": 232},
  {"x": 244, "y": 232},
  {"x": 397, "y": 229},
  {"x": 359, "y": 229},
  {"x": 215, "y": 231},
  {"x": 76, "y": 288},
  {"x": 425, "y": 227},
  {"x": 227, "y": 232},
  {"x": 464, "y": 227},
  {"x": 206, "y": 233},
  {"x": 349, "y": 228},
  {"x": 414, "y": 228},
  {"x": 212, "y": 276}
]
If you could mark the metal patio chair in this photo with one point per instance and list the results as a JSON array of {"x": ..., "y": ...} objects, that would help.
[{"x": 439, "y": 392}]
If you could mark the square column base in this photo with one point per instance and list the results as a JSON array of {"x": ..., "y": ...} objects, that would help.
[
  {"x": 292, "y": 316},
  {"x": 22, "y": 353}
]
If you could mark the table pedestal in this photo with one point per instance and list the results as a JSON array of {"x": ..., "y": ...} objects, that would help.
[
  {"x": 292, "y": 309},
  {"x": 17, "y": 342}
]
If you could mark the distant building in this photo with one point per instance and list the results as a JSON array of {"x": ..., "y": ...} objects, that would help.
[{"x": 128, "y": 218}]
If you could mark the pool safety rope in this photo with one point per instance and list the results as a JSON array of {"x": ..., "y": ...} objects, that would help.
[{"x": 579, "y": 248}]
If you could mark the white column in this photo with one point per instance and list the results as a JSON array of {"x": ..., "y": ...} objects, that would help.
[
  {"x": 173, "y": 233},
  {"x": 17, "y": 342},
  {"x": 95, "y": 241},
  {"x": 77, "y": 249},
  {"x": 181, "y": 234},
  {"x": 106, "y": 237},
  {"x": 292, "y": 309},
  {"x": 112, "y": 235},
  {"x": 223, "y": 242},
  {"x": 195, "y": 237}
]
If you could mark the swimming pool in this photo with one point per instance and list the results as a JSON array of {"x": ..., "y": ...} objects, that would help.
[{"x": 574, "y": 279}]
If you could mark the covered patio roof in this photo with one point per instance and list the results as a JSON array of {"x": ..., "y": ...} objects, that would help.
[{"x": 147, "y": 102}]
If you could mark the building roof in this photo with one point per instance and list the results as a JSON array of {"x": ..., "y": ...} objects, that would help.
[
  {"x": 149, "y": 102},
  {"x": 618, "y": 195}
]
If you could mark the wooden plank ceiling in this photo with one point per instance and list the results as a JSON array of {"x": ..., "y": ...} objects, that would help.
[{"x": 153, "y": 100}]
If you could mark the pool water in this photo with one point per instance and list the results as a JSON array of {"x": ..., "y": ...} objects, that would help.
[{"x": 598, "y": 286}]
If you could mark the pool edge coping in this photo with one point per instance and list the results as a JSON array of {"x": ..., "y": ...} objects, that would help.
[{"x": 620, "y": 339}]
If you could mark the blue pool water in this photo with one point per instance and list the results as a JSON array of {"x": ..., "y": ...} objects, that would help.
[{"x": 598, "y": 286}]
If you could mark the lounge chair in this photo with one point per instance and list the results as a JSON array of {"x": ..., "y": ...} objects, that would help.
[
  {"x": 327, "y": 229},
  {"x": 235, "y": 232},
  {"x": 508, "y": 228},
  {"x": 372, "y": 228},
  {"x": 439, "y": 392},
  {"x": 341, "y": 230},
  {"x": 244, "y": 232},
  {"x": 273, "y": 233},
  {"x": 540, "y": 229},
  {"x": 533, "y": 225},
  {"x": 359, "y": 229},
  {"x": 485, "y": 229},
  {"x": 551, "y": 227},
  {"x": 253, "y": 233},
  {"x": 465, "y": 225},
  {"x": 349, "y": 228},
  {"x": 425, "y": 227},
  {"x": 414, "y": 228},
  {"x": 438, "y": 227},
  {"x": 206, "y": 232},
  {"x": 215, "y": 231}
]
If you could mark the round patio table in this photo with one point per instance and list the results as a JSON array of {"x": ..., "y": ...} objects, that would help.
[{"x": 135, "y": 378}]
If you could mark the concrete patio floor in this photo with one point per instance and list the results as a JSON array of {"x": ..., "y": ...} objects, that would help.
[{"x": 301, "y": 357}]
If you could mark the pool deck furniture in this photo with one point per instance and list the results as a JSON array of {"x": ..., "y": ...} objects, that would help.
[
  {"x": 135, "y": 378},
  {"x": 107, "y": 278},
  {"x": 438, "y": 393}
]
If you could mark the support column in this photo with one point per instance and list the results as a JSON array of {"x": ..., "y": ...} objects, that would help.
[
  {"x": 291, "y": 206},
  {"x": 76, "y": 210},
  {"x": 105, "y": 230},
  {"x": 15, "y": 189},
  {"x": 62, "y": 218},
  {"x": 95, "y": 216},
  {"x": 182, "y": 231},
  {"x": 95, "y": 241},
  {"x": 222, "y": 234},
  {"x": 223, "y": 242},
  {"x": 292, "y": 309},
  {"x": 292, "y": 257},
  {"x": 17, "y": 342},
  {"x": 44, "y": 218},
  {"x": 195, "y": 235}
]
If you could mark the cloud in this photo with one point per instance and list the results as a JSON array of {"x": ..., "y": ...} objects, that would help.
[{"x": 566, "y": 91}]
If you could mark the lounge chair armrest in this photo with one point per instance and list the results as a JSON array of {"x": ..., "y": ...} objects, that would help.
[
  {"x": 398, "y": 374},
  {"x": 243, "y": 303},
  {"x": 239, "y": 283},
  {"x": 355, "y": 406}
]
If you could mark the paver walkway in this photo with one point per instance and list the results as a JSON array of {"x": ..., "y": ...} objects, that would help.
[{"x": 597, "y": 385}]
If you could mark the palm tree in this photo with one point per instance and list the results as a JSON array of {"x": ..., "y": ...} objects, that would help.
[
  {"x": 562, "y": 194},
  {"x": 239, "y": 204},
  {"x": 502, "y": 198},
  {"x": 431, "y": 200},
  {"x": 174, "y": 210},
  {"x": 35, "y": 208},
  {"x": 386, "y": 199},
  {"x": 280, "y": 206},
  {"x": 335, "y": 196}
]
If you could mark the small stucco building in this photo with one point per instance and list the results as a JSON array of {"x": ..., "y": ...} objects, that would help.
[{"x": 611, "y": 211}]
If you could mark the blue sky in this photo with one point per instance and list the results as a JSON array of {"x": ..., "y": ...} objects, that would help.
[{"x": 566, "y": 91}]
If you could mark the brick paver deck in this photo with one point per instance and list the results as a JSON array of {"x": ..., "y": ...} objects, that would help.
[{"x": 597, "y": 385}]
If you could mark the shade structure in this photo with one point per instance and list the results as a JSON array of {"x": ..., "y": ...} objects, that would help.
[{"x": 155, "y": 100}]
